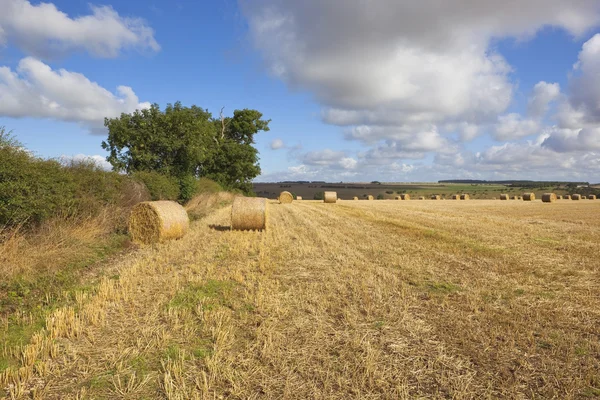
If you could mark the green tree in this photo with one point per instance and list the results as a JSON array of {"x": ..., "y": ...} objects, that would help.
[{"x": 187, "y": 142}]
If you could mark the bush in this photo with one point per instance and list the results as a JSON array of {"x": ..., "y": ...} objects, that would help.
[
  {"x": 389, "y": 191},
  {"x": 161, "y": 187},
  {"x": 31, "y": 189},
  {"x": 379, "y": 196},
  {"x": 318, "y": 196}
]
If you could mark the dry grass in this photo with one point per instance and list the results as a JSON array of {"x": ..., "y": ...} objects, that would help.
[
  {"x": 364, "y": 300},
  {"x": 55, "y": 243},
  {"x": 157, "y": 221}
]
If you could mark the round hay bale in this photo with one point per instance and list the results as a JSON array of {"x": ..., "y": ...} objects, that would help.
[
  {"x": 528, "y": 196},
  {"x": 369, "y": 197},
  {"x": 397, "y": 198},
  {"x": 157, "y": 221},
  {"x": 558, "y": 197},
  {"x": 465, "y": 197},
  {"x": 422, "y": 198},
  {"x": 567, "y": 197},
  {"x": 249, "y": 213},
  {"x": 330, "y": 197},
  {"x": 436, "y": 197},
  {"x": 514, "y": 198},
  {"x": 576, "y": 197},
  {"x": 355, "y": 198},
  {"x": 298, "y": 197},
  {"x": 504, "y": 197},
  {"x": 583, "y": 197},
  {"x": 285, "y": 197},
  {"x": 405, "y": 196},
  {"x": 549, "y": 197},
  {"x": 455, "y": 197},
  {"x": 592, "y": 197}
]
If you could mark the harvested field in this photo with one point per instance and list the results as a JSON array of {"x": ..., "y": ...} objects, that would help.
[{"x": 370, "y": 300}]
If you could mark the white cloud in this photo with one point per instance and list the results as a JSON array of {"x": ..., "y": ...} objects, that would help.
[
  {"x": 405, "y": 64},
  {"x": 97, "y": 160},
  {"x": 543, "y": 94},
  {"x": 584, "y": 87},
  {"x": 35, "y": 90},
  {"x": 45, "y": 31},
  {"x": 571, "y": 140},
  {"x": 513, "y": 126},
  {"x": 277, "y": 144}
]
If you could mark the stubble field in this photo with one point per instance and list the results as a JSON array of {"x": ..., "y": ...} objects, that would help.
[{"x": 359, "y": 299}]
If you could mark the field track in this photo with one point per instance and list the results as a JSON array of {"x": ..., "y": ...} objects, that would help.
[{"x": 359, "y": 299}]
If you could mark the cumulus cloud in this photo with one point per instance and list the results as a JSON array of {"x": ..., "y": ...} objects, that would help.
[
  {"x": 36, "y": 90},
  {"x": 329, "y": 158},
  {"x": 277, "y": 144},
  {"x": 570, "y": 140},
  {"x": 44, "y": 31},
  {"x": 97, "y": 160},
  {"x": 513, "y": 126},
  {"x": 404, "y": 63},
  {"x": 543, "y": 94},
  {"x": 584, "y": 87}
]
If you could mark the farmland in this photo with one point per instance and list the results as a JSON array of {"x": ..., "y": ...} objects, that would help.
[
  {"x": 358, "y": 299},
  {"x": 390, "y": 190}
]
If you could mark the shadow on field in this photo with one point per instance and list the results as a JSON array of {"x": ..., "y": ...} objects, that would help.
[{"x": 220, "y": 228}]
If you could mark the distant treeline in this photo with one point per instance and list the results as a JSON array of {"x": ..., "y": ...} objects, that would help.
[{"x": 523, "y": 183}]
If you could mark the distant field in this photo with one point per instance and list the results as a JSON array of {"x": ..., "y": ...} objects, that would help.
[
  {"x": 349, "y": 190},
  {"x": 382, "y": 299}
]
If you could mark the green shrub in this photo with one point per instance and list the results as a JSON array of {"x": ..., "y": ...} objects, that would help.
[
  {"x": 188, "y": 188},
  {"x": 31, "y": 189},
  {"x": 161, "y": 187},
  {"x": 379, "y": 196},
  {"x": 318, "y": 196}
]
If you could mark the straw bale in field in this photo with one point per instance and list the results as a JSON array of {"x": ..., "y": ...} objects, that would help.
[
  {"x": 528, "y": 196},
  {"x": 567, "y": 197},
  {"x": 405, "y": 196},
  {"x": 549, "y": 197},
  {"x": 592, "y": 197},
  {"x": 330, "y": 197},
  {"x": 504, "y": 197},
  {"x": 583, "y": 197},
  {"x": 422, "y": 198},
  {"x": 397, "y": 198},
  {"x": 455, "y": 197},
  {"x": 298, "y": 197},
  {"x": 436, "y": 197},
  {"x": 157, "y": 221},
  {"x": 514, "y": 198},
  {"x": 558, "y": 197},
  {"x": 369, "y": 197},
  {"x": 576, "y": 197},
  {"x": 285, "y": 197},
  {"x": 465, "y": 197},
  {"x": 249, "y": 213},
  {"x": 355, "y": 198}
]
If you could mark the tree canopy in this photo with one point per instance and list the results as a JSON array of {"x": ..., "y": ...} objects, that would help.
[{"x": 187, "y": 142}]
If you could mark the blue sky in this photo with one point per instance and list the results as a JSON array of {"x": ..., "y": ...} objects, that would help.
[{"x": 393, "y": 91}]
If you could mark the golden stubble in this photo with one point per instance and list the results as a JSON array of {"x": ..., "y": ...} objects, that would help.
[{"x": 384, "y": 299}]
